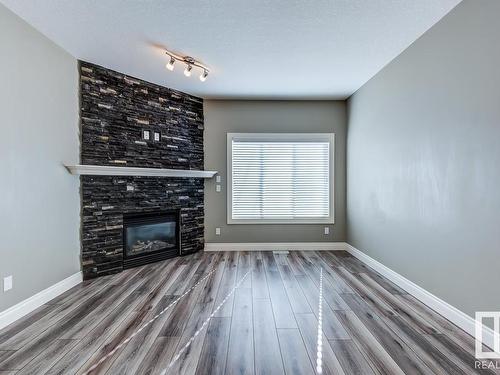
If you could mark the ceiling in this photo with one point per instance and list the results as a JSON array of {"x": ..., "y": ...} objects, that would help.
[{"x": 256, "y": 49}]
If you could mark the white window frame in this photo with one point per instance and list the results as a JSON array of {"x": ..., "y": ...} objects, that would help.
[{"x": 273, "y": 137}]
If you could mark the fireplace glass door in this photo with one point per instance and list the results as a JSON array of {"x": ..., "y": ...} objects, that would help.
[{"x": 150, "y": 237}]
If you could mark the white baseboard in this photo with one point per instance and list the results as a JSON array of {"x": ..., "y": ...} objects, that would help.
[
  {"x": 450, "y": 312},
  {"x": 28, "y": 305},
  {"x": 271, "y": 246}
]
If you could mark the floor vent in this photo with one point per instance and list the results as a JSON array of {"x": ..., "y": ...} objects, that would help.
[{"x": 280, "y": 252}]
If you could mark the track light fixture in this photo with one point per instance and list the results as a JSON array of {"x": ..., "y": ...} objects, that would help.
[
  {"x": 204, "y": 76},
  {"x": 170, "y": 65},
  {"x": 190, "y": 63}
]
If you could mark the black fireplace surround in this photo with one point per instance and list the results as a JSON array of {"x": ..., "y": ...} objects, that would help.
[
  {"x": 115, "y": 110},
  {"x": 150, "y": 237}
]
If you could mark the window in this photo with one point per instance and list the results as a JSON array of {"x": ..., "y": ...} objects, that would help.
[{"x": 280, "y": 178}]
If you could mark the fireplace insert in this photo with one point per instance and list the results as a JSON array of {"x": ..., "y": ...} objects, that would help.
[{"x": 150, "y": 237}]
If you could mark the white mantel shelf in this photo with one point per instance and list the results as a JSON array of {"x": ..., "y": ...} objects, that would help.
[{"x": 99, "y": 170}]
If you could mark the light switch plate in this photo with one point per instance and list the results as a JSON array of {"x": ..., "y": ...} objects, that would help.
[
  {"x": 7, "y": 283},
  {"x": 217, "y": 188},
  {"x": 327, "y": 230},
  {"x": 217, "y": 231}
]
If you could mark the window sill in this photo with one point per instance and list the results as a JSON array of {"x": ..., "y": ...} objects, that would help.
[{"x": 328, "y": 221}]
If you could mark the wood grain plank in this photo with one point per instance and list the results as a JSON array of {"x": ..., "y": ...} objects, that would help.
[
  {"x": 87, "y": 322},
  {"x": 432, "y": 357},
  {"x": 369, "y": 346},
  {"x": 211, "y": 288},
  {"x": 330, "y": 267},
  {"x": 244, "y": 265},
  {"x": 313, "y": 267},
  {"x": 188, "y": 361},
  {"x": 240, "y": 357},
  {"x": 186, "y": 277},
  {"x": 138, "y": 300},
  {"x": 267, "y": 349},
  {"x": 23, "y": 324},
  {"x": 295, "y": 295},
  {"x": 4, "y": 354},
  {"x": 294, "y": 353},
  {"x": 294, "y": 264},
  {"x": 135, "y": 351},
  {"x": 330, "y": 258},
  {"x": 83, "y": 350},
  {"x": 60, "y": 312},
  {"x": 458, "y": 355},
  {"x": 372, "y": 299},
  {"x": 283, "y": 314},
  {"x": 400, "y": 352},
  {"x": 351, "y": 359},
  {"x": 85, "y": 287},
  {"x": 158, "y": 356},
  {"x": 122, "y": 332},
  {"x": 387, "y": 284},
  {"x": 129, "y": 358},
  {"x": 332, "y": 327},
  {"x": 411, "y": 316},
  {"x": 32, "y": 349},
  {"x": 170, "y": 325},
  {"x": 48, "y": 357},
  {"x": 445, "y": 326},
  {"x": 346, "y": 260},
  {"x": 142, "y": 313},
  {"x": 181, "y": 312},
  {"x": 215, "y": 347},
  {"x": 308, "y": 326},
  {"x": 227, "y": 283},
  {"x": 259, "y": 282}
]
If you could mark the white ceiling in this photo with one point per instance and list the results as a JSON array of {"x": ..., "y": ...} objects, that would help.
[{"x": 267, "y": 49}]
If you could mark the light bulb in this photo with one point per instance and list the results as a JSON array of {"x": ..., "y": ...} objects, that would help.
[
  {"x": 203, "y": 76},
  {"x": 170, "y": 65},
  {"x": 187, "y": 71}
]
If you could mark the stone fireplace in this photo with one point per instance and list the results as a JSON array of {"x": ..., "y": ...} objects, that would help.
[{"x": 115, "y": 112}]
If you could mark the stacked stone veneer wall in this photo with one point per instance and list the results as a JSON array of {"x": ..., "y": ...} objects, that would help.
[{"x": 115, "y": 109}]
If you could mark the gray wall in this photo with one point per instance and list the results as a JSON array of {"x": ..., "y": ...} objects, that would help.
[
  {"x": 423, "y": 160},
  {"x": 39, "y": 204},
  {"x": 222, "y": 117}
]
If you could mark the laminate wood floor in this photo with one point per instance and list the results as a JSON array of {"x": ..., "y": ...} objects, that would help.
[{"x": 256, "y": 313}]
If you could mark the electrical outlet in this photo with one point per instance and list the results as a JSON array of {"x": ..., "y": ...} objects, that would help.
[
  {"x": 327, "y": 231},
  {"x": 217, "y": 179},
  {"x": 217, "y": 231},
  {"x": 7, "y": 283},
  {"x": 217, "y": 188}
]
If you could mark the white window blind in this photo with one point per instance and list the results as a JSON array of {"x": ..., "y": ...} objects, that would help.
[{"x": 280, "y": 178}]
